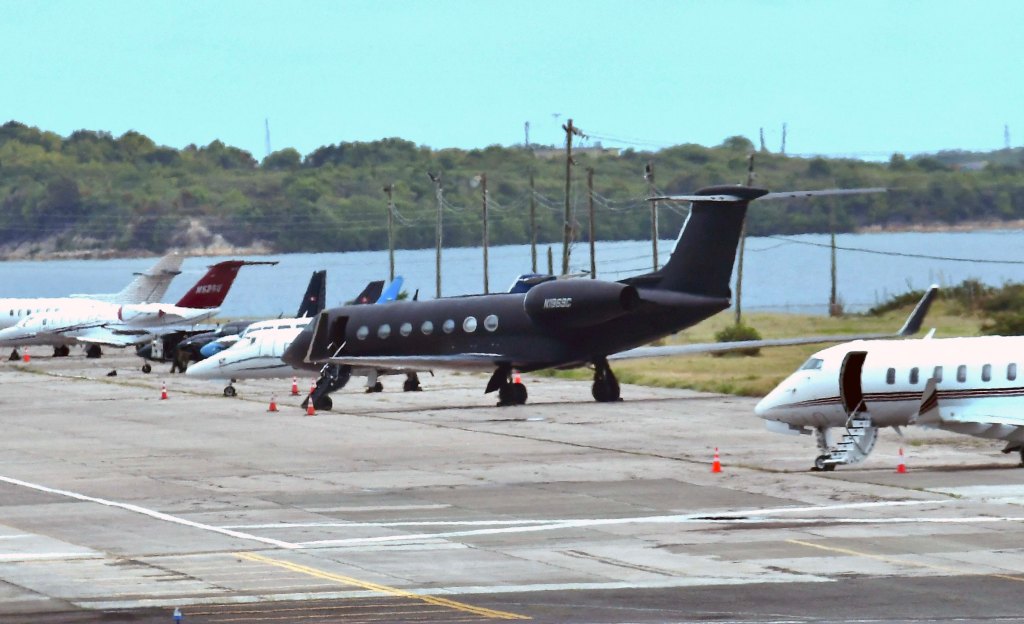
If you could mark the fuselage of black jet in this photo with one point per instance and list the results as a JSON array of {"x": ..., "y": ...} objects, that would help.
[
  {"x": 583, "y": 320},
  {"x": 560, "y": 323}
]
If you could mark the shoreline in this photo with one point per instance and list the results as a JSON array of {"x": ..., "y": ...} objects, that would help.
[{"x": 41, "y": 251}]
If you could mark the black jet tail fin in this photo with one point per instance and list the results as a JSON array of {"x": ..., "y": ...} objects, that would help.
[
  {"x": 702, "y": 260},
  {"x": 370, "y": 294},
  {"x": 315, "y": 299}
]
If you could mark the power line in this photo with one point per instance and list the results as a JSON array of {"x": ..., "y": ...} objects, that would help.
[{"x": 900, "y": 254}]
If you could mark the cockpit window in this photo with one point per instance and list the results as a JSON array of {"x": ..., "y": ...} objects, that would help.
[{"x": 813, "y": 364}]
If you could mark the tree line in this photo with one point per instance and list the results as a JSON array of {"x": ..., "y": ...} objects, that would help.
[{"x": 91, "y": 190}]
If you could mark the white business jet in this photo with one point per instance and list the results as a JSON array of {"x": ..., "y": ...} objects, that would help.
[
  {"x": 256, "y": 354},
  {"x": 844, "y": 394},
  {"x": 95, "y": 323},
  {"x": 144, "y": 288}
]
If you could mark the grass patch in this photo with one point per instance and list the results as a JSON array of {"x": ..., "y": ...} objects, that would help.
[{"x": 755, "y": 376}]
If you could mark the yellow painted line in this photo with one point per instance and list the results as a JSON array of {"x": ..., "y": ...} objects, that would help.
[
  {"x": 384, "y": 589},
  {"x": 893, "y": 560}
]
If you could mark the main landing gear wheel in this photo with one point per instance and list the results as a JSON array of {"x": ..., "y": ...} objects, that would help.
[
  {"x": 377, "y": 387},
  {"x": 821, "y": 466},
  {"x": 230, "y": 391},
  {"x": 606, "y": 386},
  {"x": 512, "y": 394},
  {"x": 61, "y": 351},
  {"x": 93, "y": 352},
  {"x": 412, "y": 383},
  {"x": 146, "y": 368},
  {"x": 323, "y": 403}
]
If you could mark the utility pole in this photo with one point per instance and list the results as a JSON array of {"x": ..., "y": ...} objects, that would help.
[
  {"x": 266, "y": 125},
  {"x": 436, "y": 178},
  {"x": 483, "y": 182},
  {"x": 590, "y": 210},
  {"x": 389, "y": 189},
  {"x": 783, "y": 150},
  {"x": 649, "y": 176},
  {"x": 570, "y": 130},
  {"x": 533, "y": 225},
  {"x": 526, "y": 129},
  {"x": 551, "y": 261},
  {"x": 743, "y": 244},
  {"x": 763, "y": 148},
  {"x": 833, "y": 303}
]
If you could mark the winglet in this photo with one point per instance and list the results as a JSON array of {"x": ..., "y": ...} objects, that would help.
[
  {"x": 928, "y": 408},
  {"x": 913, "y": 324}
]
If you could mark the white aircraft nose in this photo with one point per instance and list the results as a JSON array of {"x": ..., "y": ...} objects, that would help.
[{"x": 772, "y": 400}]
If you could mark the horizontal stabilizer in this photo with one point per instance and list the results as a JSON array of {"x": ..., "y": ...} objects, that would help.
[{"x": 774, "y": 195}]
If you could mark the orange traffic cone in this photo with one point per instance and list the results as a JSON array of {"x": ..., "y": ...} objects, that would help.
[
  {"x": 295, "y": 386},
  {"x": 163, "y": 392},
  {"x": 516, "y": 378},
  {"x": 26, "y": 357},
  {"x": 310, "y": 410},
  {"x": 716, "y": 465},
  {"x": 901, "y": 467},
  {"x": 273, "y": 404}
]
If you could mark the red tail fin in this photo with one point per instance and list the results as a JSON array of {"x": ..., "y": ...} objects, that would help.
[{"x": 209, "y": 292}]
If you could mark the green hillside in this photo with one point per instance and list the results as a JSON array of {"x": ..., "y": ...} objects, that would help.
[{"x": 92, "y": 191}]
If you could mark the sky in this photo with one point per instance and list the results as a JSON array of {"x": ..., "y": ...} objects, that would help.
[{"x": 864, "y": 78}]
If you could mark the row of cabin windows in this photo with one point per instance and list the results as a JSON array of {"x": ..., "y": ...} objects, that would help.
[
  {"x": 469, "y": 325},
  {"x": 961, "y": 374},
  {"x": 27, "y": 312}
]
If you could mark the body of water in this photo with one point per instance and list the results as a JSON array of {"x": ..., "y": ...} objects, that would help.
[{"x": 786, "y": 274}]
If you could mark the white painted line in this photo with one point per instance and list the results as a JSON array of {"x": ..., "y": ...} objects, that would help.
[
  {"x": 748, "y": 516},
  {"x": 379, "y": 508},
  {"x": 22, "y": 536},
  {"x": 56, "y": 556},
  {"x": 645, "y": 519},
  {"x": 148, "y": 512},
  {"x": 306, "y": 525},
  {"x": 450, "y": 591}
]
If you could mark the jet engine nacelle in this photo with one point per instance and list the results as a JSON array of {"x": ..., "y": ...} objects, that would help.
[
  {"x": 140, "y": 313},
  {"x": 578, "y": 303}
]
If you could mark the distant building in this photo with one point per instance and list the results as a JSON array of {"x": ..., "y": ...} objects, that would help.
[{"x": 977, "y": 165}]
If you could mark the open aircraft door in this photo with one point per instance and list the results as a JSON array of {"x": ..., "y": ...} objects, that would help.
[
  {"x": 333, "y": 329},
  {"x": 850, "y": 389}
]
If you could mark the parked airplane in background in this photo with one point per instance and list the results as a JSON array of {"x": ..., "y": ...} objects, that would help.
[
  {"x": 845, "y": 393},
  {"x": 145, "y": 287},
  {"x": 258, "y": 350},
  {"x": 184, "y": 347},
  {"x": 554, "y": 324},
  {"x": 96, "y": 323}
]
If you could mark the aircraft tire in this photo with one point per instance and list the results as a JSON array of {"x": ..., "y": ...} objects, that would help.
[
  {"x": 323, "y": 403},
  {"x": 378, "y": 387},
  {"x": 146, "y": 368},
  {"x": 93, "y": 352},
  {"x": 605, "y": 391},
  {"x": 230, "y": 391},
  {"x": 518, "y": 394},
  {"x": 15, "y": 356}
]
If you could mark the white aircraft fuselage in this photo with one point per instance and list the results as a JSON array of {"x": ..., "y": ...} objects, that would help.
[
  {"x": 978, "y": 389},
  {"x": 99, "y": 322},
  {"x": 256, "y": 354}
]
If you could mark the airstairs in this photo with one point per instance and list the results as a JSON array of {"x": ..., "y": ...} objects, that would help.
[{"x": 855, "y": 443}]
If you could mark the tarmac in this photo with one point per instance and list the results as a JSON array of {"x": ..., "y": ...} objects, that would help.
[{"x": 437, "y": 506}]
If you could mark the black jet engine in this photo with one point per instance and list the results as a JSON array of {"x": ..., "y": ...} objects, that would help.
[{"x": 579, "y": 303}]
